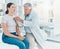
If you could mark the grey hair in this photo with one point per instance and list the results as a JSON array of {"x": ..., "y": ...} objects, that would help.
[{"x": 28, "y": 5}]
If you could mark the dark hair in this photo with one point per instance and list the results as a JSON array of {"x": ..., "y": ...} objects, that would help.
[{"x": 8, "y": 6}]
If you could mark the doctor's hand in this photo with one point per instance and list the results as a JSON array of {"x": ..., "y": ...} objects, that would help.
[
  {"x": 20, "y": 38},
  {"x": 18, "y": 19}
]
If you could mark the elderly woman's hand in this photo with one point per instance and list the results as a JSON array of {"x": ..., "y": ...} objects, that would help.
[{"x": 18, "y": 19}]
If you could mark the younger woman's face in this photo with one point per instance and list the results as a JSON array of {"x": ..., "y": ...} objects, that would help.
[{"x": 12, "y": 8}]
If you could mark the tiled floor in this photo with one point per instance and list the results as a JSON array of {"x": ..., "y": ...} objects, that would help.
[{"x": 52, "y": 45}]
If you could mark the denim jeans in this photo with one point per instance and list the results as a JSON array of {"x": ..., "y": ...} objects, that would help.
[{"x": 21, "y": 44}]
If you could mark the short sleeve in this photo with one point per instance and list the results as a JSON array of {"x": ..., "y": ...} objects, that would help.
[{"x": 4, "y": 20}]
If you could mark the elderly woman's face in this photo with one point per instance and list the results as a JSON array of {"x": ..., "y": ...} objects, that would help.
[
  {"x": 27, "y": 10},
  {"x": 12, "y": 8}
]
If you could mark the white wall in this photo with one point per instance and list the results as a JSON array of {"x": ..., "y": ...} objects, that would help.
[
  {"x": 42, "y": 8},
  {"x": 56, "y": 17}
]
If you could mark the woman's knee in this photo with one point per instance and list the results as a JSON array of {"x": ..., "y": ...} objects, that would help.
[
  {"x": 21, "y": 45},
  {"x": 26, "y": 41}
]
